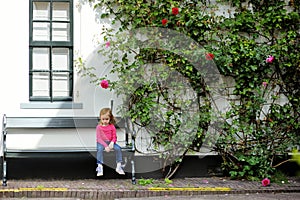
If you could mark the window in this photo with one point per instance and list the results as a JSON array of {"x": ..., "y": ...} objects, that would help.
[{"x": 51, "y": 50}]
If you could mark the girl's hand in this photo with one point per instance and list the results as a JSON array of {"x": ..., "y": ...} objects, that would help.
[
  {"x": 111, "y": 145},
  {"x": 107, "y": 149}
]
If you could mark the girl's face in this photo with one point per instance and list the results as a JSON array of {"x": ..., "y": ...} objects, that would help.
[{"x": 105, "y": 119}]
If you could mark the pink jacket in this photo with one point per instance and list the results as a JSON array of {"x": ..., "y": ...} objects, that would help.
[{"x": 106, "y": 133}]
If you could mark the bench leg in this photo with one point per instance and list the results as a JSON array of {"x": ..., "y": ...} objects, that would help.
[
  {"x": 4, "y": 179},
  {"x": 133, "y": 173}
]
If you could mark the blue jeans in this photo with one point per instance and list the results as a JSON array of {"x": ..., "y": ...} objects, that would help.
[{"x": 100, "y": 149}]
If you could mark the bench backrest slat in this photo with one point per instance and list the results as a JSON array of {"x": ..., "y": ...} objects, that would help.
[{"x": 55, "y": 122}]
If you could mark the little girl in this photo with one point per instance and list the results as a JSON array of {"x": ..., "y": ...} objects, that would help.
[{"x": 106, "y": 140}]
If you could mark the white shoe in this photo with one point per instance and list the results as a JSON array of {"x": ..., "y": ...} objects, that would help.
[
  {"x": 99, "y": 170},
  {"x": 119, "y": 169}
]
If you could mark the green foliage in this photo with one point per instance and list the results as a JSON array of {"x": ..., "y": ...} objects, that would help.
[
  {"x": 260, "y": 126},
  {"x": 168, "y": 181},
  {"x": 145, "y": 181},
  {"x": 296, "y": 156},
  {"x": 155, "y": 183},
  {"x": 263, "y": 119}
]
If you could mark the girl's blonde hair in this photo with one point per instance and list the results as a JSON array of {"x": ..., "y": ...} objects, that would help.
[{"x": 104, "y": 111}]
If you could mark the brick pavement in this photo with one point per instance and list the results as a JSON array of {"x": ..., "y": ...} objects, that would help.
[{"x": 123, "y": 188}]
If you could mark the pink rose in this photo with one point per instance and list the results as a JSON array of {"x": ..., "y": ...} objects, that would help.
[
  {"x": 107, "y": 44},
  {"x": 265, "y": 182},
  {"x": 264, "y": 84},
  {"x": 270, "y": 59},
  {"x": 104, "y": 84}
]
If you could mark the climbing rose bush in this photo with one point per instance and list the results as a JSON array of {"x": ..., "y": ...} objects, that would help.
[{"x": 253, "y": 44}]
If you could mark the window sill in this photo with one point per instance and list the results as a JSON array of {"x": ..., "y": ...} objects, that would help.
[{"x": 53, "y": 105}]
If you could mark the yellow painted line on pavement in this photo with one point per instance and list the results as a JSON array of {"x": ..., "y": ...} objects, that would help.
[
  {"x": 190, "y": 189},
  {"x": 33, "y": 189}
]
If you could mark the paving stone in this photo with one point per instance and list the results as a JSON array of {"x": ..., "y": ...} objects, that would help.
[{"x": 107, "y": 189}]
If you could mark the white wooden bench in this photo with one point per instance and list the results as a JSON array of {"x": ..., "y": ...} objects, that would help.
[{"x": 51, "y": 135}]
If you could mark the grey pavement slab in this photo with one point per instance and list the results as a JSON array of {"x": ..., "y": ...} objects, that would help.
[
  {"x": 257, "y": 196},
  {"x": 180, "y": 189}
]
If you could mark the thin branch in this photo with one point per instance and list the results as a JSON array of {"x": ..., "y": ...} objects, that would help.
[{"x": 288, "y": 160}]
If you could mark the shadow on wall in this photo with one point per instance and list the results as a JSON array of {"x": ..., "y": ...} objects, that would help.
[{"x": 91, "y": 94}]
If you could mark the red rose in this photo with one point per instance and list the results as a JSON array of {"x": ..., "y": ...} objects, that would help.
[
  {"x": 209, "y": 56},
  {"x": 175, "y": 11},
  {"x": 164, "y": 22}
]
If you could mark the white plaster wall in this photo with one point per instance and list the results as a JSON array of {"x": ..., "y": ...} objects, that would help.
[
  {"x": 14, "y": 77},
  {"x": 14, "y": 51},
  {"x": 87, "y": 40}
]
